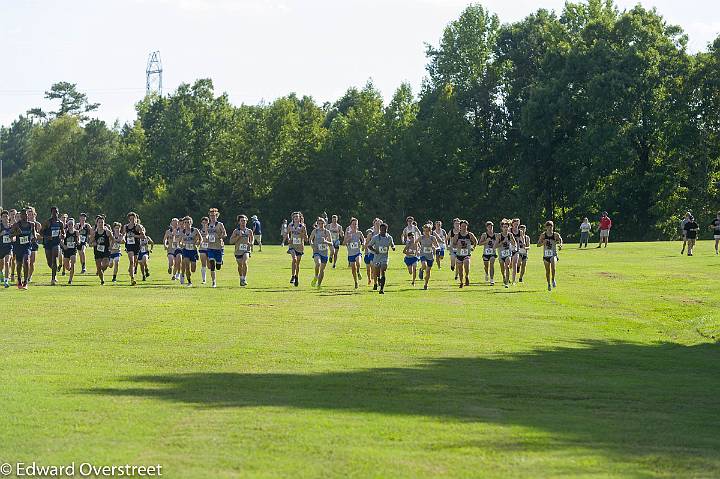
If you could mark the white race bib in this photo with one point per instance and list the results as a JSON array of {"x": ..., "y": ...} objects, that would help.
[
  {"x": 24, "y": 240},
  {"x": 143, "y": 249},
  {"x": 55, "y": 233},
  {"x": 100, "y": 247},
  {"x": 211, "y": 238},
  {"x": 6, "y": 239},
  {"x": 505, "y": 253},
  {"x": 322, "y": 247},
  {"x": 522, "y": 251},
  {"x": 130, "y": 240},
  {"x": 297, "y": 240},
  {"x": 427, "y": 249},
  {"x": 83, "y": 238},
  {"x": 204, "y": 245},
  {"x": 354, "y": 245},
  {"x": 70, "y": 244},
  {"x": 242, "y": 247},
  {"x": 463, "y": 252},
  {"x": 548, "y": 253},
  {"x": 383, "y": 249},
  {"x": 489, "y": 251}
]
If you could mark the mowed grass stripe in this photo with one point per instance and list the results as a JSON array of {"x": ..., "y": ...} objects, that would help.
[{"x": 612, "y": 374}]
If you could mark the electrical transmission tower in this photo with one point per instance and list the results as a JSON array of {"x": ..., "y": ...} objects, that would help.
[{"x": 153, "y": 74}]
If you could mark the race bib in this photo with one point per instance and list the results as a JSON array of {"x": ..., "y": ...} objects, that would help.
[
  {"x": 143, "y": 249},
  {"x": 55, "y": 233},
  {"x": 70, "y": 244},
  {"x": 175, "y": 245},
  {"x": 522, "y": 251},
  {"x": 100, "y": 247},
  {"x": 383, "y": 249},
  {"x": 427, "y": 250},
  {"x": 242, "y": 247},
  {"x": 211, "y": 238},
  {"x": 548, "y": 253},
  {"x": 130, "y": 240},
  {"x": 505, "y": 253},
  {"x": 6, "y": 239},
  {"x": 83, "y": 238},
  {"x": 463, "y": 252},
  {"x": 24, "y": 240},
  {"x": 355, "y": 245},
  {"x": 297, "y": 240},
  {"x": 204, "y": 245},
  {"x": 322, "y": 247},
  {"x": 489, "y": 251}
]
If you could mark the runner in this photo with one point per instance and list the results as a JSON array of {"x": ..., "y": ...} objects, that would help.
[
  {"x": 380, "y": 246},
  {"x": 551, "y": 241},
  {"x": 488, "y": 240},
  {"x": 354, "y": 239},
  {"x": 297, "y": 237},
  {"x": 506, "y": 248},
  {"x": 429, "y": 246},
  {"x": 515, "y": 261},
  {"x": 410, "y": 227},
  {"x": 715, "y": 226},
  {"x": 216, "y": 244},
  {"x": 523, "y": 248},
  {"x": 242, "y": 238},
  {"x": 411, "y": 255},
  {"x": 60, "y": 263},
  {"x": 12, "y": 219},
  {"x": 34, "y": 246},
  {"x": 257, "y": 230},
  {"x": 171, "y": 241},
  {"x": 146, "y": 247},
  {"x": 70, "y": 244},
  {"x": 691, "y": 228},
  {"x": 336, "y": 232},
  {"x": 191, "y": 240},
  {"x": 283, "y": 232},
  {"x": 450, "y": 242},
  {"x": 132, "y": 232},
  {"x": 24, "y": 232},
  {"x": 6, "y": 247},
  {"x": 683, "y": 233},
  {"x": 101, "y": 239},
  {"x": 441, "y": 236},
  {"x": 83, "y": 228},
  {"x": 321, "y": 241},
  {"x": 369, "y": 256},
  {"x": 605, "y": 225},
  {"x": 115, "y": 244},
  {"x": 204, "y": 246},
  {"x": 464, "y": 243},
  {"x": 52, "y": 233}
]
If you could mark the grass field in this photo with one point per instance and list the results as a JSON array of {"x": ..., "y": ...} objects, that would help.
[{"x": 614, "y": 374}]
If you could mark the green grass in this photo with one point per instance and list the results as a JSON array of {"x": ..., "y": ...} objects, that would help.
[{"x": 615, "y": 373}]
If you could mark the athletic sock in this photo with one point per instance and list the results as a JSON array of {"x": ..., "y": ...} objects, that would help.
[{"x": 202, "y": 270}]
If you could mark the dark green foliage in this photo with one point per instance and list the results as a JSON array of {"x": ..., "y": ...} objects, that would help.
[{"x": 555, "y": 116}]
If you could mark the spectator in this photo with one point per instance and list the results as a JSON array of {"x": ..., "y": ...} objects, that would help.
[
  {"x": 283, "y": 233},
  {"x": 585, "y": 228},
  {"x": 605, "y": 225},
  {"x": 691, "y": 229},
  {"x": 257, "y": 230},
  {"x": 683, "y": 233}
]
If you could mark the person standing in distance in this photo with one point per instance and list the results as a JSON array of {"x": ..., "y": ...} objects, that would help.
[
  {"x": 257, "y": 230},
  {"x": 605, "y": 225}
]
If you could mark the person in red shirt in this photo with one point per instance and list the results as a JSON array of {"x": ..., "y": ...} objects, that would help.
[{"x": 605, "y": 225}]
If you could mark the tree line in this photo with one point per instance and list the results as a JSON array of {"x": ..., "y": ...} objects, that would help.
[{"x": 558, "y": 115}]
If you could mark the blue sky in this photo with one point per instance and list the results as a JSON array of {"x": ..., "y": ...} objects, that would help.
[{"x": 253, "y": 49}]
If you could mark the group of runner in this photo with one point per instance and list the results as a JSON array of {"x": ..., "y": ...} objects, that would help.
[
  {"x": 689, "y": 229},
  {"x": 509, "y": 248}
]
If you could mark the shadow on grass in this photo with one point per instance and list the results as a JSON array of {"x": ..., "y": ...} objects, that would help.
[{"x": 659, "y": 402}]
